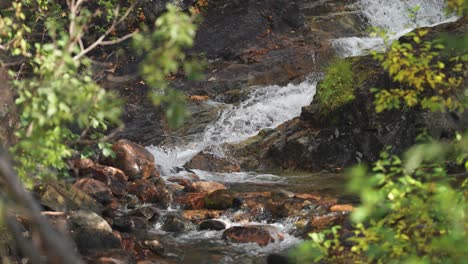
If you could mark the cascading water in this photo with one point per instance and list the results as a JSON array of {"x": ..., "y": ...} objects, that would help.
[
  {"x": 268, "y": 107},
  {"x": 396, "y": 18}
]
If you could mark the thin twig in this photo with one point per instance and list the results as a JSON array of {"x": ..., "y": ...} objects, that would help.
[
  {"x": 116, "y": 41},
  {"x": 106, "y": 34}
]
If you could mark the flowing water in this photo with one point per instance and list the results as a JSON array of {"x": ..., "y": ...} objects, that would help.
[{"x": 268, "y": 107}]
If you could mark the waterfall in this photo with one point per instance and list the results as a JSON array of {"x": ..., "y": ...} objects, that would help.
[
  {"x": 396, "y": 17},
  {"x": 269, "y": 106},
  {"x": 266, "y": 107}
]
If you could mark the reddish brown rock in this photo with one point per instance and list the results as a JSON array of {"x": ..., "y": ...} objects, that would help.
[
  {"x": 199, "y": 215},
  {"x": 113, "y": 177},
  {"x": 79, "y": 165},
  {"x": 95, "y": 189},
  {"x": 179, "y": 180},
  {"x": 144, "y": 190},
  {"x": 262, "y": 235},
  {"x": 319, "y": 223},
  {"x": 136, "y": 161},
  {"x": 342, "y": 208},
  {"x": 204, "y": 186},
  {"x": 193, "y": 201}
]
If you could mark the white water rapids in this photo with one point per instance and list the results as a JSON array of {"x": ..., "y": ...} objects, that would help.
[
  {"x": 396, "y": 18},
  {"x": 269, "y": 106}
]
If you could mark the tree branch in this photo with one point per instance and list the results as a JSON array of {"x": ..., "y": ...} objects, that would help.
[
  {"x": 101, "y": 39},
  {"x": 59, "y": 249}
]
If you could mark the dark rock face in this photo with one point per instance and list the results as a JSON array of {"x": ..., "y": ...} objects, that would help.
[
  {"x": 262, "y": 235},
  {"x": 133, "y": 159},
  {"x": 211, "y": 225}
]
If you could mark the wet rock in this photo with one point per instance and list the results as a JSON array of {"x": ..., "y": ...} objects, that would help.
[
  {"x": 342, "y": 208},
  {"x": 262, "y": 235},
  {"x": 192, "y": 201},
  {"x": 63, "y": 197},
  {"x": 129, "y": 223},
  {"x": 174, "y": 222},
  {"x": 203, "y": 186},
  {"x": 209, "y": 162},
  {"x": 144, "y": 190},
  {"x": 154, "y": 245},
  {"x": 96, "y": 189},
  {"x": 91, "y": 232},
  {"x": 149, "y": 212},
  {"x": 211, "y": 225},
  {"x": 179, "y": 180},
  {"x": 175, "y": 187},
  {"x": 113, "y": 177},
  {"x": 132, "y": 201},
  {"x": 285, "y": 207},
  {"x": 221, "y": 199},
  {"x": 115, "y": 256},
  {"x": 111, "y": 210},
  {"x": 136, "y": 161},
  {"x": 319, "y": 223},
  {"x": 199, "y": 215},
  {"x": 165, "y": 197}
]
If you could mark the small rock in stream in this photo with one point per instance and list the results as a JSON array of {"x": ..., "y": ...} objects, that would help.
[{"x": 211, "y": 225}]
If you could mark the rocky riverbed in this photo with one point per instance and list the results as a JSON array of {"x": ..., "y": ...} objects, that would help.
[{"x": 259, "y": 165}]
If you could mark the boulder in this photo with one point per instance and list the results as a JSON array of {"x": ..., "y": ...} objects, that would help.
[
  {"x": 179, "y": 180},
  {"x": 113, "y": 177},
  {"x": 260, "y": 234},
  {"x": 91, "y": 232},
  {"x": 204, "y": 186},
  {"x": 209, "y": 162},
  {"x": 136, "y": 161},
  {"x": 174, "y": 222},
  {"x": 221, "y": 199},
  {"x": 211, "y": 225},
  {"x": 144, "y": 190},
  {"x": 191, "y": 201},
  {"x": 96, "y": 189},
  {"x": 149, "y": 212},
  {"x": 62, "y": 197},
  {"x": 199, "y": 215},
  {"x": 154, "y": 245}
]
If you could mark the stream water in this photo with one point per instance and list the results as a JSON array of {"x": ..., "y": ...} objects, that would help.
[{"x": 268, "y": 107}]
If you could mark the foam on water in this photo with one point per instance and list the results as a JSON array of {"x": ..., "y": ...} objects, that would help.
[
  {"x": 266, "y": 107},
  {"x": 394, "y": 17}
]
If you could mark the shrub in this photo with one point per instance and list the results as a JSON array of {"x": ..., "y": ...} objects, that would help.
[{"x": 337, "y": 87}]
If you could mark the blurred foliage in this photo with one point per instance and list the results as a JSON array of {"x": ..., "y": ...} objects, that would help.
[
  {"x": 61, "y": 107},
  {"x": 337, "y": 87},
  {"x": 412, "y": 209},
  {"x": 429, "y": 77},
  {"x": 175, "y": 32}
]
